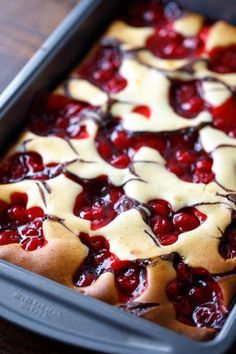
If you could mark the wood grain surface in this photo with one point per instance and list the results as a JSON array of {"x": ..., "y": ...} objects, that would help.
[{"x": 24, "y": 25}]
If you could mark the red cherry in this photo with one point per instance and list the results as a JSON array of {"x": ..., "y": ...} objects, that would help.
[
  {"x": 104, "y": 149},
  {"x": 20, "y": 199},
  {"x": 32, "y": 230},
  {"x": 143, "y": 110},
  {"x": 35, "y": 212},
  {"x": 185, "y": 98},
  {"x": 207, "y": 316},
  {"x": 108, "y": 215},
  {"x": 27, "y": 165},
  {"x": 167, "y": 239},
  {"x": 177, "y": 170},
  {"x": 224, "y": 116},
  {"x": 121, "y": 161},
  {"x": 100, "y": 257},
  {"x": 185, "y": 221},
  {"x": 161, "y": 207},
  {"x": 129, "y": 276},
  {"x": 103, "y": 69},
  {"x": 144, "y": 13},
  {"x": 62, "y": 122},
  {"x": 86, "y": 279},
  {"x": 223, "y": 59},
  {"x": 99, "y": 243},
  {"x": 120, "y": 139},
  {"x": 161, "y": 225},
  {"x": 184, "y": 309},
  {"x": 201, "y": 217},
  {"x": 18, "y": 213},
  {"x": 182, "y": 151},
  {"x": 203, "y": 165},
  {"x": 197, "y": 298},
  {"x": 21, "y": 225},
  {"x": 60, "y": 116},
  {"x": 9, "y": 236},
  {"x": 100, "y": 202},
  {"x": 201, "y": 177},
  {"x": 168, "y": 44},
  {"x": 127, "y": 280},
  {"x": 115, "y": 84},
  {"x": 92, "y": 213},
  {"x": 185, "y": 156},
  {"x": 32, "y": 244},
  {"x": 115, "y": 195},
  {"x": 200, "y": 294}
]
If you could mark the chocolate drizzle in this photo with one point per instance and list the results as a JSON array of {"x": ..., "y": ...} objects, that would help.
[
  {"x": 41, "y": 191},
  {"x": 61, "y": 221},
  {"x": 154, "y": 239}
]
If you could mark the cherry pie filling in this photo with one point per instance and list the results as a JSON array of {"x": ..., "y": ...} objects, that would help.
[
  {"x": 224, "y": 116},
  {"x": 167, "y": 225},
  {"x": 60, "y": 116},
  {"x": 130, "y": 276},
  {"x": 102, "y": 69},
  {"x": 142, "y": 110},
  {"x": 21, "y": 225},
  {"x": 165, "y": 43},
  {"x": 197, "y": 297},
  {"x": 100, "y": 202},
  {"x": 187, "y": 101},
  {"x": 185, "y": 98},
  {"x": 149, "y": 13},
  {"x": 27, "y": 165},
  {"x": 223, "y": 59},
  {"x": 182, "y": 151},
  {"x": 227, "y": 246}
]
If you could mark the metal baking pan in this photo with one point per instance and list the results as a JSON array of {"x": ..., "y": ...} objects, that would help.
[{"x": 40, "y": 304}]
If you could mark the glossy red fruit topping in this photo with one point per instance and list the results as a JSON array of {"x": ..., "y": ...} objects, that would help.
[
  {"x": 197, "y": 298},
  {"x": 149, "y": 13},
  {"x": 185, "y": 98},
  {"x": 102, "y": 69},
  {"x": 227, "y": 246},
  {"x": 118, "y": 146},
  {"x": 223, "y": 59},
  {"x": 186, "y": 158},
  {"x": 143, "y": 13},
  {"x": 143, "y": 110},
  {"x": 182, "y": 151},
  {"x": 60, "y": 116},
  {"x": 27, "y": 165},
  {"x": 100, "y": 202},
  {"x": 165, "y": 43},
  {"x": 130, "y": 276},
  {"x": 21, "y": 225},
  {"x": 224, "y": 117},
  {"x": 167, "y": 225}
]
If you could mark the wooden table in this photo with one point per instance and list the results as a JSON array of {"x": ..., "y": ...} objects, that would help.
[{"x": 24, "y": 25}]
